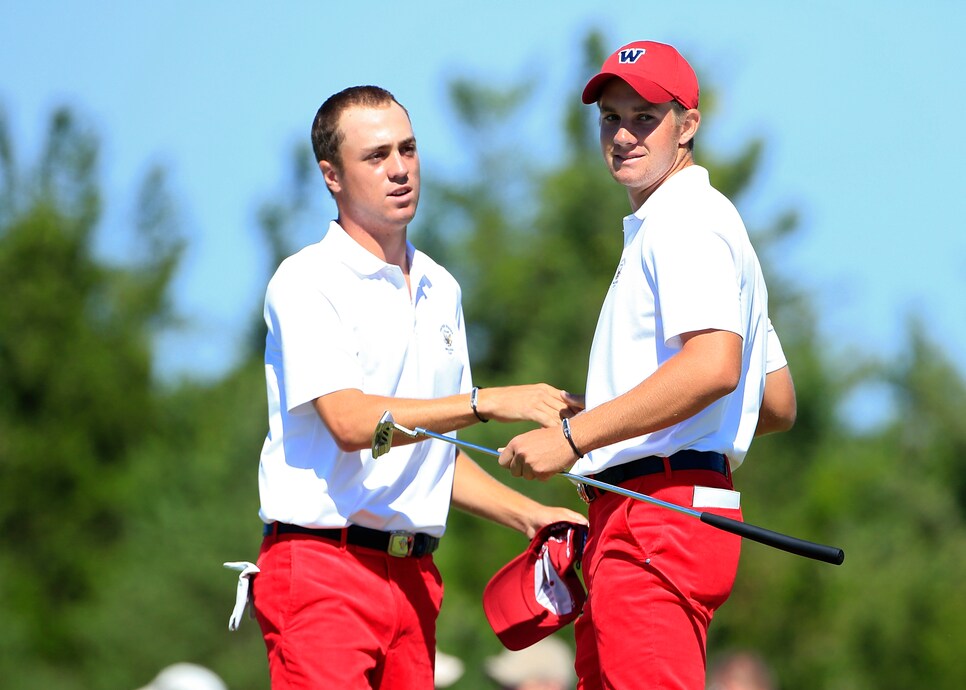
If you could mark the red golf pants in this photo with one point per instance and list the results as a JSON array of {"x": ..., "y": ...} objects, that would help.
[
  {"x": 655, "y": 578},
  {"x": 347, "y": 617}
]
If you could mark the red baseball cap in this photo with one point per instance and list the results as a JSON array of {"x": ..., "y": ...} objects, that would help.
[
  {"x": 655, "y": 70},
  {"x": 539, "y": 591}
]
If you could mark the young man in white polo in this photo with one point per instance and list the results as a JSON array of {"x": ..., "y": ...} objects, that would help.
[
  {"x": 347, "y": 595},
  {"x": 675, "y": 388}
]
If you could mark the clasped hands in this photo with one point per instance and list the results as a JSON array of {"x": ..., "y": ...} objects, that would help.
[{"x": 542, "y": 453}]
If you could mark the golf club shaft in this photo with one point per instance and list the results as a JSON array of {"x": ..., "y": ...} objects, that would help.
[
  {"x": 420, "y": 431},
  {"x": 577, "y": 478},
  {"x": 784, "y": 542}
]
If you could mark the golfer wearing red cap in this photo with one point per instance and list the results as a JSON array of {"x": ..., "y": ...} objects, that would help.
[{"x": 675, "y": 388}]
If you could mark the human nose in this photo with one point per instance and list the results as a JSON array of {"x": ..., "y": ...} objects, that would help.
[
  {"x": 623, "y": 137},
  {"x": 397, "y": 165}
]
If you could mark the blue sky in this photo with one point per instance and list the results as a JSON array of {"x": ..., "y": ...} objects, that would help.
[{"x": 859, "y": 104}]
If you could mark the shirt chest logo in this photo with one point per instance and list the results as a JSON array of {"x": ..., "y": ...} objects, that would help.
[
  {"x": 620, "y": 267},
  {"x": 447, "y": 334}
]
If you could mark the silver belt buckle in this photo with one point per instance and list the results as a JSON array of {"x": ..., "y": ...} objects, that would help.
[
  {"x": 401, "y": 544},
  {"x": 582, "y": 492}
]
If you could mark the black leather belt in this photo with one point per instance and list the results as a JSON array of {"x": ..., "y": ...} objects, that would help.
[
  {"x": 682, "y": 460},
  {"x": 401, "y": 544}
]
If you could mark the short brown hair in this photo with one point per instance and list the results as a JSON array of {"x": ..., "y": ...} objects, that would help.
[{"x": 326, "y": 136}]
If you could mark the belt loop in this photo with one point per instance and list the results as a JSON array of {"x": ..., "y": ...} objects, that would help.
[
  {"x": 728, "y": 468},
  {"x": 344, "y": 538},
  {"x": 667, "y": 467}
]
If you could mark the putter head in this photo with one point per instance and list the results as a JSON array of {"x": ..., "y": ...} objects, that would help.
[{"x": 382, "y": 436}]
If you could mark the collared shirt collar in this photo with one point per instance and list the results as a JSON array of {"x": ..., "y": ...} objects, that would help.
[
  {"x": 357, "y": 257},
  {"x": 693, "y": 174}
]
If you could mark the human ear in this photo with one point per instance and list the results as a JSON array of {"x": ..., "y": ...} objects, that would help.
[
  {"x": 689, "y": 126},
  {"x": 331, "y": 176}
]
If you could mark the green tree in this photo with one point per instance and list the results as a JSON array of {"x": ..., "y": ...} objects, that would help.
[
  {"x": 120, "y": 495},
  {"x": 75, "y": 379}
]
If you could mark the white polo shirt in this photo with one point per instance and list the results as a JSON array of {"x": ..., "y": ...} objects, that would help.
[
  {"x": 687, "y": 265},
  {"x": 340, "y": 318}
]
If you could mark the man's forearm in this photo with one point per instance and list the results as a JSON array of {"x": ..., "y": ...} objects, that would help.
[
  {"x": 477, "y": 493},
  {"x": 352, "y": 415},
  {"x": 779, "y": 405},
  {"x": 706, "y": 369}
]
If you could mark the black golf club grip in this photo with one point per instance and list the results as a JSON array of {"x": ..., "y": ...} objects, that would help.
[{"x": 809, "y": 549}]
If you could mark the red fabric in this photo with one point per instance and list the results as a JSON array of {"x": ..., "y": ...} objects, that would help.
[
  {"x": 656, "y": 71},
  {"x": 346, "y": 617},
  {"x": 516, "y": 600},
  {"x": 655, "y": 578}
]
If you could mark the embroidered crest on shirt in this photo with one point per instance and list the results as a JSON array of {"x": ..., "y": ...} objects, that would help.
[
  {"x": 620, "y": 267},
  {"x": 447, "y": 334}
]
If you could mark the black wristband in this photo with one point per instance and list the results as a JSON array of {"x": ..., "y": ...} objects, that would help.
[
  {"x": 473, "y": 395},
  {"x": 565, "y": 425}
]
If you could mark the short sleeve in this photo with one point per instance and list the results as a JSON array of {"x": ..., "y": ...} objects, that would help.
[
  {"x": 696, "y": 283},
  {"x": 775, "y": 356},
  {"x": 314, "y": 349}
]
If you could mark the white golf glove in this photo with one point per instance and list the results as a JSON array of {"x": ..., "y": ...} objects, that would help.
[{"x": 245, "y": 572}]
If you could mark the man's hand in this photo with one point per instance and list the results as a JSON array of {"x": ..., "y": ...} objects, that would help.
[
  {"x": 547, "y": 515},
  {"x": 538, "y": 454},
  {"x": 537, "y": 402}
]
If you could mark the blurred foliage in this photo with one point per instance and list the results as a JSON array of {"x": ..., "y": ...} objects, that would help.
[
  {"x": 119, "y": 496},
  {"x": 122, "y": 494}
]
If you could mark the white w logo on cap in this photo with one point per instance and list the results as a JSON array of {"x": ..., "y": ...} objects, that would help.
[{"x": 630, "y": 55}]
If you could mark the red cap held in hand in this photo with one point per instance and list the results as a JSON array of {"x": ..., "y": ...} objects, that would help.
[
  {"x": 538, "y": 592},
  {"x": 656, "y": 71}
]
